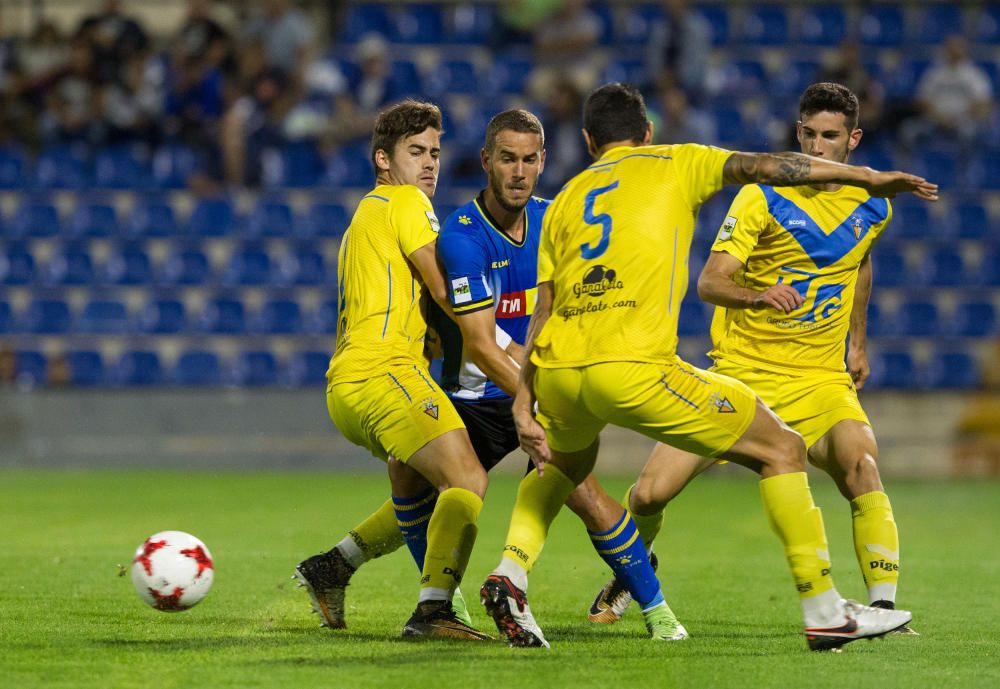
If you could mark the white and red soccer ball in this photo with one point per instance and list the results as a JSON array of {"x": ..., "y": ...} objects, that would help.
[{"x": 172, "y": 571}]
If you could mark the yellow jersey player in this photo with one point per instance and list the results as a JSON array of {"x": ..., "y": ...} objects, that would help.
[
  {"x": 790, "y": 274},
  {"x": 379, "y": 392},
  {"x": 612, "y": 271}
]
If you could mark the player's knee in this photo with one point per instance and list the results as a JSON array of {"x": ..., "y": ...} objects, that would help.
[
  {"x": 648, "y": 497},
  {"x": 467, "y": 475},
  {"x": 787, "y": 452},
  {"x": 862, "y": 475}
]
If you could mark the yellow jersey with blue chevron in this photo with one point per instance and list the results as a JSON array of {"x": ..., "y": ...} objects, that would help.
[
  {"x": 812, "y": 240},
  {"x": 615, "y": 244},
  {"x": 381, "y": 320},
  {"x": 487, "y": 269}
]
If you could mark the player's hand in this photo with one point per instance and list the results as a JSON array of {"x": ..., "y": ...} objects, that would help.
[
  {"x": 531, "y": 435},
  {"x": 857, "y": 366},
  {"x": 782, "y": 297},
  {"x": 888, "y": 184}
]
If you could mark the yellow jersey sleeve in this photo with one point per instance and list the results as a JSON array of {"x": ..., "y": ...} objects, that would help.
[
  {"x": 412, "y": 216},
  {"x": 742, "y": 227},
  {"x": 700, "y": 170}
]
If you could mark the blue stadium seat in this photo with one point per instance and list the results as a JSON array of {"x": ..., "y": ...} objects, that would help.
[
  {"x": 34, "y": 218},
  {"x": 211, "y": 218},
  {"x": 694, "y": 319},
  {"x": 793, "y": 78},
  {"x": 62, "y": 168},
  {"x": 895, "y": 369},
  {"x": 420, "y": 24},
  {"x": 912, "y": 220},
  {"x": 366, "y": 18},
  {"x": 971, "y": 221},
  {"x": 6, "y": 318},
  {"x": 103, "y": 316},
  {"x": 138, "y": 368},
  {"x": 13, "y": 167},
  {"x": 172, "y": 165},
  {"x": 248, "y": 266},
  {"x": 879, "y": 322},
  {"x": 151, "y": 218},
  {"x": 605, "y": 16},
  {"x": 510, "y": 75},
  {"x": 637, "y": 23},
  {"x": 876, "y": 157},
  {"x": 120, "y": 168},
  {"x": 945, "y": 267},
  {"x": 270, "y": 218},
  {"x": 473, "y": 23},
  {"x": 70, "y": 266},
  {"x": 349, "y": 167},
  {"x": 717, "y": 17},
  {"x": 940, "y": 166},
  {"x": 46, "y": 317},
  {"x": 883, "y": 26},
  {"x": 917, "y": 319},
  {"x": 308, "y": 368},
  {"x": 989, "y": 269},
  {"x": 939, "y": 21},
  {"x": 987, "y": 24},
  {"x": 86, "y": 367},
  {"x": 129, "y": 266},
  {"x": 163, "y": 317},
  {"x": 952, "y": 370},
  {"x": 901, "y": 82},
  {"x": 255, "y": 369},
  {"x": 974, "y": 319},
  {"x": 325, "y": 220},
  {"x": 890, "y": 267},
  {"x": 224, "y": 316},
  {"x": 626, "y": 70},
  {"x": 31, "y": 367},
  {"x": 728, "y": 124},
  {"x": 765, "y": 25},
  {"x": 280, "y": 317},
  {"x": 302, "y": 267},
  {"x": 823, "y": 25},
  {"x": 92, "y": 220},
  {"x": 405, "y": 78},
  {"x": 748, "y": 77},
  {"x": 324, "y": 320},
  {"x": 986, "y": 171},
  {"x": 197, "y": 367},
  {"x": 18, "y": 265},
  {"x": 186, "y": 267},
  {"x": 302, "y": 164},
  {"x": 454, "y": 77}
]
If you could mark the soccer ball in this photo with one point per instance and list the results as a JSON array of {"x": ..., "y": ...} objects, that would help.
[{"x": 172, "y": 571}]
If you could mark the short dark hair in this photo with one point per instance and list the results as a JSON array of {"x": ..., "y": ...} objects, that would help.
[
  {"x": 827, "y": 96},
  {"x": 615, "y": 112},
  {"x": 404, "y": 119},
  {"x": 515, "y": 120}
]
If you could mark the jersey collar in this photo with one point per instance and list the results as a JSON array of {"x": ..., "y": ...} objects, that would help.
[{"x": 480, "y": 202}]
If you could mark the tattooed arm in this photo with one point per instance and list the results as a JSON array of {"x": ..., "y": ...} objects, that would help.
[{"x": 791, "y": 169}]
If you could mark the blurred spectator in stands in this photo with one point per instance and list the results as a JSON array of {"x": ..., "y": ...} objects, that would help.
[
  {"x": 676, "y": 122},
  {"x": 113, "y": 38},
  {"x": 203, "y": 39},
  {"x": 58, "y": 372},
  {"x": 518, "y": 20},
  {"x": 73, "y": 108},
  {"x": 132, "y": 106},
  {"x": 679, "y": 47},
  {"x": 41, "y": 57},
  {"x": 954, "y": 98},
  {"x": 566, "y": 154},
  {"x": 8, "y": 367},
  {"x": 845, "y": 67},
  {"x": 566, "y": 44},
  {"x": 253, "y": 128},
  {"x": 11, "y": 80},
  {"x": 287, "y": 36}
]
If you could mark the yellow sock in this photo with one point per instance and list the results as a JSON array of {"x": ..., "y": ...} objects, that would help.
[
  {"x": 379, "y": 534},
  {"x": 648, "y": 526},
  {"x": 799, "y": 524},
  {"x": 450, "y": 537},
  {"x": 538, "y": 501},
  {"x": 876, "y": 542}
]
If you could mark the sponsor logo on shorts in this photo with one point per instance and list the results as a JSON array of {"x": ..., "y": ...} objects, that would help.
[
  {"x": 430, "y": 408},
  {"x": 517, "y": 551},
  {"x": 461, "y": 291},
  {"x": 722, "y": 404},
  {"x": 596, "y": 281}
]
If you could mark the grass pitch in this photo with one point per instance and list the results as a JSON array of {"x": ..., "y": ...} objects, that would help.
[{"x": 68, "y": 620}]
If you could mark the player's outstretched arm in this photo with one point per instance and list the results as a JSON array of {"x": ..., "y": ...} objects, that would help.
[
  {"x": 717, "y": 286},
  {"x": 529, "y": 431},
  {"x": 791, "y": 169}
]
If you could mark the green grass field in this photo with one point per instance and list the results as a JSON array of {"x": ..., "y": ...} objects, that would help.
[{"x": 68, "y": 620}]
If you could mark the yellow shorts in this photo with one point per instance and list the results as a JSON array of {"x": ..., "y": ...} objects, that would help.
[
  {"x": 676, "y": 403},
  {"x": 393, "y": 413},
  {"x": 811, "y": 404}
]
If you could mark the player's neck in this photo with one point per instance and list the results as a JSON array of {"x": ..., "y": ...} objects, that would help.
[
  {"x": 599, "y": 153},
  {"x": 827, "y": 187},
  {"x": 507, "y": 221}
]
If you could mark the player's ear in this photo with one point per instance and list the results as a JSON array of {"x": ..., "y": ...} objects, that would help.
[
  {"x": 647, "y": 138},
  {"x": 381, "y": 161},
  {"x": 541, "y": 161},
  {"x": 798, "y": 131},
  {"x": 484, "y": 158},
  {"x": 590, "y": 143},
  {"x": 854, "y": 139}
]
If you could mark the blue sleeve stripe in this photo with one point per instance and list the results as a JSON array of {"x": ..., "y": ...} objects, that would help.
[
  {"x": 375, "y": 196},
  {"x": 631, "y": 155},
  {"x": 388, "y": 306}
]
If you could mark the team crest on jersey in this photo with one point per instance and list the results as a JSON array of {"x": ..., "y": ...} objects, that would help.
[
  {"x": 856, "y": 224},
  {"x": 430, "y": 408},
  {"x": 726, "y": 231},
  {"x": 596, "y": 281},
  {"x": 461, "y": 291},
  {"x": 722, "y": 404},
  {"x": 432, "y": 219}
]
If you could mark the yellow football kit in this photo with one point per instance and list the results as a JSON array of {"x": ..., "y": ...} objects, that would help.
[
  {"x": 814, "y": 241},
  {"x": 615, "y": 244},
  {"x": 379, "y": 393}
]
